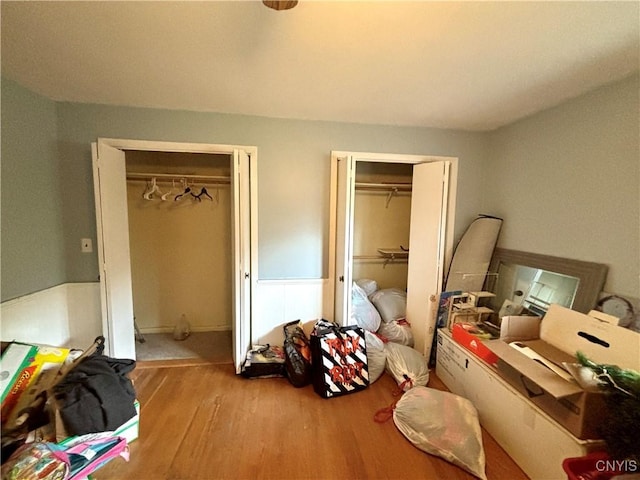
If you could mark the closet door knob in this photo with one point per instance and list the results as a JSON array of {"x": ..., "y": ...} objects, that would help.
[
  {"x": 246, "y": 275},
  {"x": 341, "y": 278}
]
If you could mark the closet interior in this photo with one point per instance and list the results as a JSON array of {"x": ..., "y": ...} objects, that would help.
[
  {"x": 179, "y": 209},
  {"x": 381, "y": 223}
]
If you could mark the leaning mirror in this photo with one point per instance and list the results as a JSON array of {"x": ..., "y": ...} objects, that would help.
[{"x": 530, "y": 282}]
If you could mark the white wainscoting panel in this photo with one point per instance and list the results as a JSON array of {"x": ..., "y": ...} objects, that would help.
[
  {"x": 69, "y": 315},
  {"x": 66, "y": 315},
  {"x": 84, "y": 313},
  {"x": 282, "y": 301}
]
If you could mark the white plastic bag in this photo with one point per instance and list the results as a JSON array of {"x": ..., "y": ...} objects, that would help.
[
  {"x": 182, "y": 329},
  {"x": 406, "y": 365},
  {"x": 397, "y": 331},
  {"x": 391, "y": 303},
  {"x": 442, "y": 424},
  {"x": 363, "y": 313},
  {"x": 376, "y": 356},
  {"x": 369, "y": 286}
]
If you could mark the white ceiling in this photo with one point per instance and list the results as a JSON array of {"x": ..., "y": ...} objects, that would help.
[{"x": 461, "y": 65}]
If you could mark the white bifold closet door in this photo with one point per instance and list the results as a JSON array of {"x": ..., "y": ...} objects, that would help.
[
  {"x": 112, "y": 217},
  {"x": 429, "y": 201},
  {"x": 346, "y": 190},
  {"x": 109, "y": 173},
  {"x": 426, "y": 249},
  {"x": 241, "y": 224}
]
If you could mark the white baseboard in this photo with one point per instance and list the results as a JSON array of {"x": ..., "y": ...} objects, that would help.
[{"x": 169, "y": 329}]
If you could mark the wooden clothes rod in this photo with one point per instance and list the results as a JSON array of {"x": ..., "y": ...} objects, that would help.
[
  {"x": 403, "y": 187},
  {"x": 177, "y": 177}
]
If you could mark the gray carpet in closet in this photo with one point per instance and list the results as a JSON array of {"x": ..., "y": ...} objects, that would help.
[{"x": 211, "y": 346}]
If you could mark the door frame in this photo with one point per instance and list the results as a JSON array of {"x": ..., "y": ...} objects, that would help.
[
  {"x": 241, "y": 326},
  {"x": 387, "y": 158}
]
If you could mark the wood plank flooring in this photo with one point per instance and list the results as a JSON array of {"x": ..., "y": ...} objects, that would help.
[{"x": 203, "y": 422}]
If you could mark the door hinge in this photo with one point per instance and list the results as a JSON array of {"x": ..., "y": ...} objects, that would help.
[{"x": 341, "y": 278}]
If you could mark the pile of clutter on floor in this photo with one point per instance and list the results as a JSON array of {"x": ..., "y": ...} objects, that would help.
[
  {"x": 65, "y": 412},
  {"x": 339, "y": 360}
]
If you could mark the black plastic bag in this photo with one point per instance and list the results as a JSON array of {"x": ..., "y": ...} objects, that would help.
[{"x": 297, "y": 354}]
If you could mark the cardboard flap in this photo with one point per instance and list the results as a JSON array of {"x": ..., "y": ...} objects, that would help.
[
  {"x": 535, "y": 372},
  {"x": 600, "y": 341},
  {"x": 550, "y": 352}
]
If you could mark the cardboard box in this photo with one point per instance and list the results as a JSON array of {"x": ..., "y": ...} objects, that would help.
[
  {"x": 468, "y": 335},
  {"x": 563, "y": 332},
  {"x": 538, "y": 444},
  {"x": 519, "y": 327},
  {"x": 38, "y": 375},
  {"x": 15, "y": 358}
]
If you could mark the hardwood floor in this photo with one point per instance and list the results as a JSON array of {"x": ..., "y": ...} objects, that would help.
[{"x": 203, "y": 422}]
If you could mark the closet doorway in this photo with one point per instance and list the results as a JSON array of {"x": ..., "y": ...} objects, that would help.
[
  {"x": 379, "y": 199},
  {"x": 158, "y": 258}
]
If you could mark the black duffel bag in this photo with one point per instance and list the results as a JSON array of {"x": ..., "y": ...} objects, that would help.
[{"x": 297, "y": 354}]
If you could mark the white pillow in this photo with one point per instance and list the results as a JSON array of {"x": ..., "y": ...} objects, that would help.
[{"x": 442, "y": 424}]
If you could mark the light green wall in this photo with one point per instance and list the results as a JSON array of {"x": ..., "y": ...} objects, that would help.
[
  {"x": 32, "y": 249},
  {"x": 293, "y": 173},
  {"x": 567, "y": 182}
]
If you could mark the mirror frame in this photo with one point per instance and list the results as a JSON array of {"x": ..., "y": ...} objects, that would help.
[{"x": 591, "y": 275}]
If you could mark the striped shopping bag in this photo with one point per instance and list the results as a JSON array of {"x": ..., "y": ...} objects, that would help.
[{"x": 338, "y": 359}]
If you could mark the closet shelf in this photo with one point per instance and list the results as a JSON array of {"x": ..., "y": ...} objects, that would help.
[
  {"x": 385, "y": 255},
  {"x": 177, "y": 177},
  {"x": 393, "y": 253}
]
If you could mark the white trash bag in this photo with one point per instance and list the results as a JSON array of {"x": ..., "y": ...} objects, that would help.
[
  {"x": 376, "y": 356},
  {"x": 407, "y": 366},
  {"x": 442, "y": 424},
  {"x": 363, "y": 313},
  {"x": 397, "y": 331},
  {"x": 391, "y": 303},
  {"x": 369, "y": 286}
]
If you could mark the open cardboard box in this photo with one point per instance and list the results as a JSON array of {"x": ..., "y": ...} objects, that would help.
[{"x": 562, "y": 333}]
